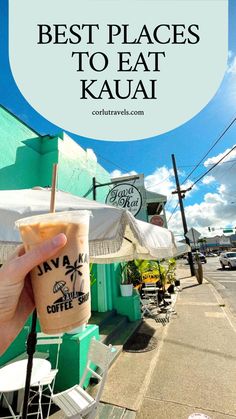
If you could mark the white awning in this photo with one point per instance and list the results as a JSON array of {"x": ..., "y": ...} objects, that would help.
[{"x": 114, "y": 235}]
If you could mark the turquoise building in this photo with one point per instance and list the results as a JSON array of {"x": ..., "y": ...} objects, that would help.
[{"x": 26, "y": 160}]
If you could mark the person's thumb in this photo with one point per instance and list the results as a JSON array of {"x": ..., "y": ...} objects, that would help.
[{"x": 39, "y": 254}]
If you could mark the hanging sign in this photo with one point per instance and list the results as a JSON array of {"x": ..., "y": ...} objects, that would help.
[
  {"x": 125, "y": 196},
  {"x": 157, "y": 220}
]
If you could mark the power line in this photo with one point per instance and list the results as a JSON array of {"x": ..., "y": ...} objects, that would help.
[
  {"x": 172, "y": 213},
  {"x": 205, "y": 155},
  {"x": 219, "y": 179},
  {"x": 159, "y": 183},
  {"x": 211, "y": 168},
  {"x": 162, "y": 181},
  {"x": 193, "y": 165},
  {"x": 223, "y": 173},
  {"x": 114, "y": 164},
  {"x": 169, "y": 202}
]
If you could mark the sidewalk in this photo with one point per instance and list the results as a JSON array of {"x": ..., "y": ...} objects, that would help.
[{"x": 193, "y": 368}]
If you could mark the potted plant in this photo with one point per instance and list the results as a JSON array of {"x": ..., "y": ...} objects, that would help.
[
  {"x": 163, "y": 273},
  {"x": 130, "y": 276},
  {"x": 171, "y": 274}
]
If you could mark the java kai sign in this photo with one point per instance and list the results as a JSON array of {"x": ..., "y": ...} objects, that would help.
[
  {"x": 125, "y": 196},
  {"x": 124, "y": 70}
]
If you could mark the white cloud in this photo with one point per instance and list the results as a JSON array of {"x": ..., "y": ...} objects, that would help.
[
  {"x": 208, "y": 179},
  {"x": 212, "y": 160},
  {"x": 213, "y": 198},
  {"x": 224, "y": 174},
  {"x": 118, "y": 173},
  {"x": 203, "y": 215},
  {"x": 218, "y": 209},
  {"x": 161, "y": 181}
]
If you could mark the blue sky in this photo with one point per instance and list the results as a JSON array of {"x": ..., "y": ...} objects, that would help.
[{"x": 152, "y": 156}]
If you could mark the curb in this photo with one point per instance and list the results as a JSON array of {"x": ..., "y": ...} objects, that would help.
[
  {"x": 223, "y": 301},
  {"x": 216, "y": 284}
]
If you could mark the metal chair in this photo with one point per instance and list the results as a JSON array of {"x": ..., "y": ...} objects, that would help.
[
  {"x": 77, "y": 402},
  {"x": 12, "y": 379},
  {"x": 46, "y": 384},
  {"x": 151, "y": 292},
  {"x": 4, "y": 398}
]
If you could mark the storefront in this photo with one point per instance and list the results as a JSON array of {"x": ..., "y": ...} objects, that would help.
[{"x": 27, "y": 162}]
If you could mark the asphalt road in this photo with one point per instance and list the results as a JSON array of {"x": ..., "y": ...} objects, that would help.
[{"x": 224, "y": 281}]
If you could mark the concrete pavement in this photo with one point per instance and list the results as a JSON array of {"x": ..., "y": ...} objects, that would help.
[{"x": 193, "y": 369}]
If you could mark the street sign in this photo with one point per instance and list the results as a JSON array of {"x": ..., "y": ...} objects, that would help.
[
  {"x": 193, "y": 235},
  {"x": 228, "y": 230}
]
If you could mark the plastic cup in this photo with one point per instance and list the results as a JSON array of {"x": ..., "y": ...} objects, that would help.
[{"x": 61, "y": 285}]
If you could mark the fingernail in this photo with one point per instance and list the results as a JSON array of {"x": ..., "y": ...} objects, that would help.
[{"x": 59, "y": 240}]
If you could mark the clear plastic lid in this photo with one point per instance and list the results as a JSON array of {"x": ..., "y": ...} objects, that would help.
[{"x": 70, "y": 216}]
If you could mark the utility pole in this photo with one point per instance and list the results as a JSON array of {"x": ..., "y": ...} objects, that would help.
[{"x": 181, "y": 205}]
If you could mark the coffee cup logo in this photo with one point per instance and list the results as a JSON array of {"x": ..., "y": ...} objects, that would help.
[{"x": 69, "y": 292}]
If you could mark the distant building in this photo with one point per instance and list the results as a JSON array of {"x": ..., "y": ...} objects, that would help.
[
  {"x": 233, "y": 240},
  {"x": 216, "y": 243}
]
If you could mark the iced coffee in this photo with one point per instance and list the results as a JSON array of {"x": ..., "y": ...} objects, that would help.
[{"x": 61, "y": 285}]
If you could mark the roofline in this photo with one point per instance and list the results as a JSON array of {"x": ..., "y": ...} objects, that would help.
[{"x": 22, "y": 122}]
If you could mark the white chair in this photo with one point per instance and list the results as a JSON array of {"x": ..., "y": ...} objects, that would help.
[
  {"x": 76, "y": 402},
  {"x": 46, "y": 384},
  {"x": 146, "y": 307},
  {"x": 4, "y": 400},
  {"x": 151, "y": 292}
]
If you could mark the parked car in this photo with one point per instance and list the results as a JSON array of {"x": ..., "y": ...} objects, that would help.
[
  {"x": 212, "y": 255},
  {"x": 228, "y": 259},
  {"x": 200, "y": 256}
]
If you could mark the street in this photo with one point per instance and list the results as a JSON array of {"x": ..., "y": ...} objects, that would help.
[{"x": 224, "y": 281}]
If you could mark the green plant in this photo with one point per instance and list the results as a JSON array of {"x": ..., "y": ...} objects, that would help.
[
  {"x": 93, "y": 279},
  {"x": 167, "y": 272},
  {"x": 171, "y": 270},
  {"x": 163, "y": 275},
  {"x": 130, "y": 273}
]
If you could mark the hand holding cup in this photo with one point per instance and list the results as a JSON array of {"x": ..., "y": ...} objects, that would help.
[{"x": 16, "y": 297}]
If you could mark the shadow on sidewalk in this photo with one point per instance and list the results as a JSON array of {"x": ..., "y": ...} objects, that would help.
[
  {"x": 190, "y": 286},
  {"x": 184, "y": 277},
  {"x": 146, "y": 328}
]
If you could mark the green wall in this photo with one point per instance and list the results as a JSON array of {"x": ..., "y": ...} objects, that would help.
[
  {"x": 19, "y": 164},
  {"x": 76, "y": 169},
  {"x": 27, "y": 161}
]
